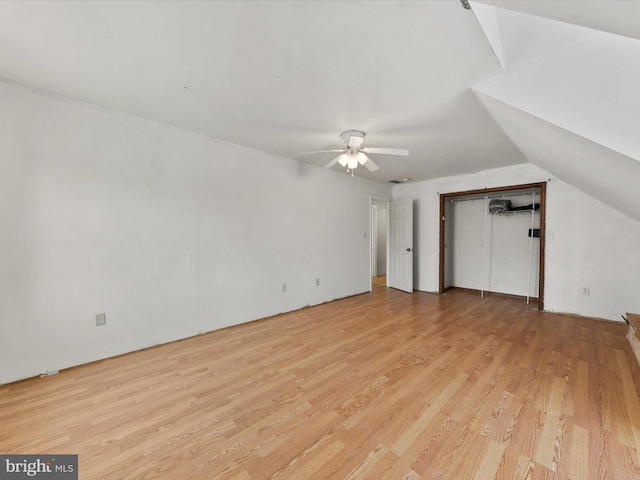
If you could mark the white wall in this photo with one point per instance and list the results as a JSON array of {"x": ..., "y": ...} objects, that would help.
[
  {"x": 592, "y": 245},
  {"x": 170, "y": 233}
]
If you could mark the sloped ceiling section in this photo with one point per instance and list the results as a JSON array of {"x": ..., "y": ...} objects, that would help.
[
  {"x": 605, "y": 174},
  {"x": 569, "y": 102},
  {"x": 518, "y": 38},
  {"x": 613, "y": 16}
]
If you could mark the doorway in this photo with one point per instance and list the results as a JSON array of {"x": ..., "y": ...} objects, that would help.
[{"x": 378, "y": 236}]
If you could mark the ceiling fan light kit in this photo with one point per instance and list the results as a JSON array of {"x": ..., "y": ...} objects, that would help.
[{"x": 353, "y": 154}]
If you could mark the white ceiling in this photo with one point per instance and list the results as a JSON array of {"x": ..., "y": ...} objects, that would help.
[
  {"x": 286, "y": 77},
  {"x": 279, "y": 76}
]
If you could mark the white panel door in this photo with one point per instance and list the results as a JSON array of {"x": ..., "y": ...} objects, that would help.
[{"x": 400, "y": 274}]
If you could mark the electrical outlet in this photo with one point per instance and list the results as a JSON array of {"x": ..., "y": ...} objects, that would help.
[
  {"x": 101, "y": 319},
  {"x": 317, "y": 282},
  {"x": 284, "y": 287},
  {"x": 585, "y": 290}
]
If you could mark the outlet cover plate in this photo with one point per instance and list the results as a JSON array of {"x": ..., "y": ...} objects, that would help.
[{"x": 101, "y": 319}]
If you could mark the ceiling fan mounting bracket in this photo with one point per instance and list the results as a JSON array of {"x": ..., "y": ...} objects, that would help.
[{"x": 345, "y": 137}]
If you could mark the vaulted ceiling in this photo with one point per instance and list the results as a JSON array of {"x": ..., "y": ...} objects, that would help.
[
  {"x": 568, "y": 98},
  {"x": 550, "y": 82}
]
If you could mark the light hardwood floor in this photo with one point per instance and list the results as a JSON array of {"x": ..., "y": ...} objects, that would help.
[{"x": 383, "y": 385}]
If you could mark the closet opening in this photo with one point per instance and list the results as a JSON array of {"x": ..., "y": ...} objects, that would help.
[{"x": 492, "y": 241}]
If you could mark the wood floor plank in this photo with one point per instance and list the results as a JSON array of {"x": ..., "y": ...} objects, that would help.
[
  {"x": 410, "y": 434},
  {"x": 579, "y": 463},
  {"x": 491, "y": 461},
  {"x": 630, "y": 416},
  {"x": 514, "y": 465},
  {"x": 365, "y": 466},
  {"x": 548, "y": 445},
  {"x": 385, "y": 385}
]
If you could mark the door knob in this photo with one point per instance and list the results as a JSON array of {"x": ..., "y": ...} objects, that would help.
[{"x": 409, "y": 249}]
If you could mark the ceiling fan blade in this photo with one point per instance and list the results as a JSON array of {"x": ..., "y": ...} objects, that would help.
[
  {"x": 332, "y": 162},
  {"x": 323, "y": 151},
  {"x": 386, "y": 151},
  {"x": 370, "y": 165}
]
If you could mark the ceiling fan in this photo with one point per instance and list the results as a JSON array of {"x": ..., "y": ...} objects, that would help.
[{"x": 353, "y": 154}]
